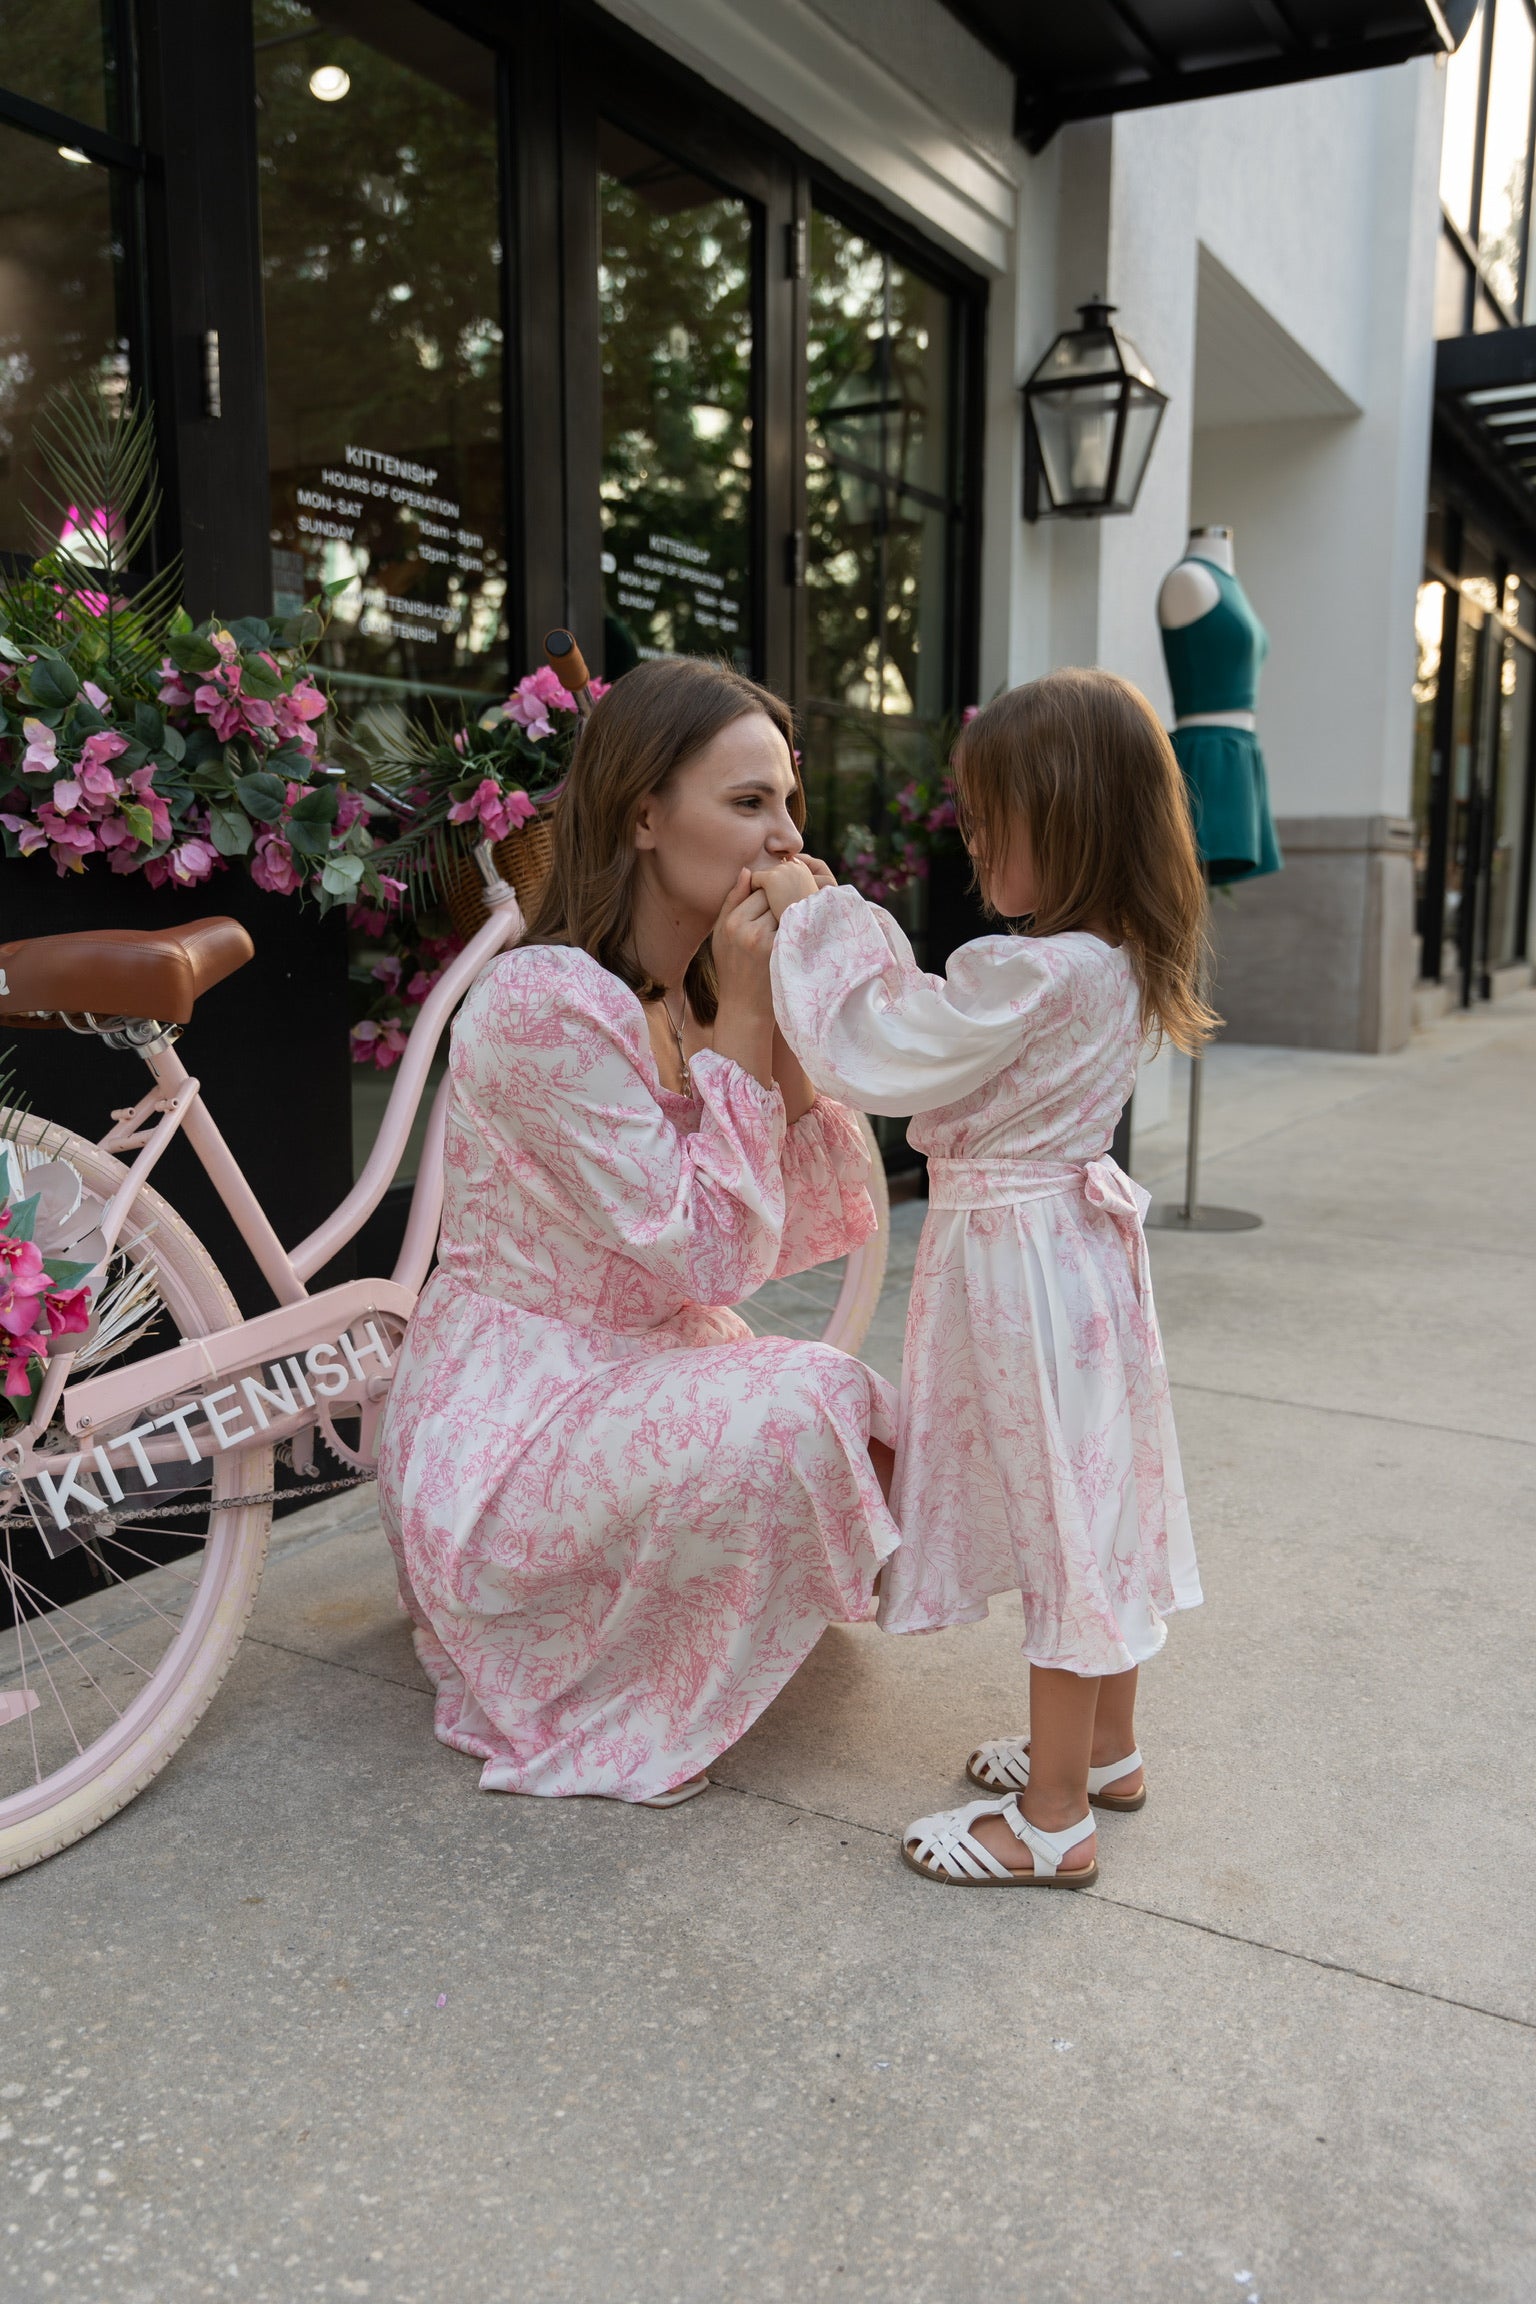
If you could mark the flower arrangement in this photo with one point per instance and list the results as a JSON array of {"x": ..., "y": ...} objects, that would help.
[
  {"x": 127, "y": 733},
  {"x": 453, "y": 788},
  {"x": 483, "y": 781},
  {"x": 41, "y": 1297}
]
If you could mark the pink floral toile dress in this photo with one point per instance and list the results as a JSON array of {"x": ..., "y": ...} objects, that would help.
[
  {"x": 621, "y": 1520},
  {"x": 1037, "y": 1449}
]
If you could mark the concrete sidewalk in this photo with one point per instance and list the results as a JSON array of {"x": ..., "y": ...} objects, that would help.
[{"x": 314, "y": 2019}]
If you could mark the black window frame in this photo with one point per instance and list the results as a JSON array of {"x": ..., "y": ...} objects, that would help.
[{"x": 1467, "y": 244}]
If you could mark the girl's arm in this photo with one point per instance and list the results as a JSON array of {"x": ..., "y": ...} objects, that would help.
[{"x": 870, "y": 1027}]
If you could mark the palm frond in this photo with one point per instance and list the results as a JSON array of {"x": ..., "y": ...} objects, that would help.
[{"x": 100, "y": 480}]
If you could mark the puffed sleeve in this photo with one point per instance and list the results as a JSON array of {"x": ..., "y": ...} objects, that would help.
[
  {"x": 869, "y": 1026},
  {"x": 550, "y": 1052},
  {"x": 827, "y": 1207}
]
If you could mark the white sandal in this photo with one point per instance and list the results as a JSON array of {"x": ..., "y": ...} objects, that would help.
[
  {"x": 943, "y": 1848},
  {"x": 1003, "y": 1766},
  {"x": 678, "y": 1794}
]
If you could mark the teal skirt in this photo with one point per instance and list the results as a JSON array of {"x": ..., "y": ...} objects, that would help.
[{"x": 1229, "y": 801}]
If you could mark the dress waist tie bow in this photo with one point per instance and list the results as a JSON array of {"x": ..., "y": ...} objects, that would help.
[{"x": 1102, "y": 1182}]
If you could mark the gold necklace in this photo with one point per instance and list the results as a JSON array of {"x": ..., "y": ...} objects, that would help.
[{"x": 677, "y": 1034}]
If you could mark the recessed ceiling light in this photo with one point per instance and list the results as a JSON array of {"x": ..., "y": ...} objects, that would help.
[
  {"x": 329, "y": 83},
  {"x": 73, "y": 152}
]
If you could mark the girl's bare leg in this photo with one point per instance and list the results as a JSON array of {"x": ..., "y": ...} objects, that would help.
[
  {"x": 1114, "y": 1729},
  {"x": 884, "y": 1462},
  {"x": 1062, "y": 1711}
]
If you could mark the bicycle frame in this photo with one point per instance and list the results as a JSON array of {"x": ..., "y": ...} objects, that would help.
[{"x": 310, "y": 1339}]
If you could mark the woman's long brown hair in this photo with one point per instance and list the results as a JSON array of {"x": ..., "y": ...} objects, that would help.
[
  {"x": 650, "y": 724},
  {"x": 1081, "y": 759}
]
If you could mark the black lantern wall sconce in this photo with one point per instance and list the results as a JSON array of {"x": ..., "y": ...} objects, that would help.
[{"x": 1091, "y": 413}]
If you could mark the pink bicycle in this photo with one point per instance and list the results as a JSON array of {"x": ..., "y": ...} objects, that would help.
[{"x": 136, "y": 1440}]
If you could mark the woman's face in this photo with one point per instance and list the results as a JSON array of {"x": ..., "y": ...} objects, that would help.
[{"x": 726, "y": 807}]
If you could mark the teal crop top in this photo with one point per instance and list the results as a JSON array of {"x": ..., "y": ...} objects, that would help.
[{"x": 1213, "y": 664}]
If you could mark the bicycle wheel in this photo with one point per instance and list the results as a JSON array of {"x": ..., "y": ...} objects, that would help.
[
  {"x": 832, "y": 1303},
  {"x": 97, "y": 1690}
]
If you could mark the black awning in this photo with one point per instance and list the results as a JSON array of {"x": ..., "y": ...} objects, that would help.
[
  {"x": 1078, "y": 59},
  {"x": 1485, "y": 419}
]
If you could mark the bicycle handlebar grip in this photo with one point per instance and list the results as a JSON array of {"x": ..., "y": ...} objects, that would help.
[{"x": 566, "y": 660}]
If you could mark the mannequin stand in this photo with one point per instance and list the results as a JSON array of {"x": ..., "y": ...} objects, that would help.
[{"x": 1191, "y": 1217}]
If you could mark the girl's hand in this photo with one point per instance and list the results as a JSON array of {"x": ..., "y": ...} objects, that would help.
[
  {"x": 822, "y": 874},
  {"x": 789, "y": 883},
  {"x": 742, "y": 943}
]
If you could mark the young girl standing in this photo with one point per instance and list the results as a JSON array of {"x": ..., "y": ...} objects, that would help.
[{"x": 1036, "y": 1449}]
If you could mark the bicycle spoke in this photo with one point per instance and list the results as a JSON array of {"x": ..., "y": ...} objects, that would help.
[
  {"x": 31, "y": 1710},
  {"x": 42, "y": 1663},
  {"x": 52, "y": 1608}
]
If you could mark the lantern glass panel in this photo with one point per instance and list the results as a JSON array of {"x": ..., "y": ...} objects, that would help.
[
  {"x": 1080, "y": 352},
  {"x": 1141, "y": 422},
  {"x": 1076, "y": 431}
]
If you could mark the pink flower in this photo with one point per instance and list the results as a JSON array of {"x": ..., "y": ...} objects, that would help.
[
  {"x": 969, "y": 714},
  {"x": 16, "y": 1361},
  {"x": 303, "y": 703},
  {"x": 272, "y": 865},
  {"x": 498, "y": 812},
  {"x": 183, "y": 866},
  {"x": 943, "y": 818},
  {"x": 388, "y": 971},
  {"x": 96, "y": 696},
  {"x": 533, "y": 700},
  {"x": 382, "y": 1045},
  {"x": 349, "y": 808},
  {"x": 66, "y": 795},
  {"x": 42, "y": 753},
  {"x": 142, "y": 785},
  {"x": 29, "y": 836},
  {"x": 424, "y": 981},
  {"x": 174, "y": 692},
  {"x": 69, "y": 1310},
  {"x": 23, "y": 1282},
  {"x": 105, "y": 745},
  {"x": 219, "y": 706}
]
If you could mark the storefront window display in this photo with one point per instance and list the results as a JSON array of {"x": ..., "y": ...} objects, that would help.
[
  {"x": 675, "y": 284},
  {"x": 381, "y": 259}
]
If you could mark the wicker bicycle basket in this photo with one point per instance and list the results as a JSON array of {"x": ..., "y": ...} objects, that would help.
[{"x": 523, "y": 860}]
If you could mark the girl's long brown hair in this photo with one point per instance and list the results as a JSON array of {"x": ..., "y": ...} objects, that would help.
[
  {"x": 648, "y": 726},
  {"x": 1081, "y": 759}
]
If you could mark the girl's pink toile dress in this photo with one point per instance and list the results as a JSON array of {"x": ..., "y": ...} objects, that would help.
[
  {"x": 1037, "y": 1449},
  {"x": 621, "y": 1520}
]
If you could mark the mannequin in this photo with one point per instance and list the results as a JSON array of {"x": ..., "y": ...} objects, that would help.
[{"x": 1213, "y": 645}]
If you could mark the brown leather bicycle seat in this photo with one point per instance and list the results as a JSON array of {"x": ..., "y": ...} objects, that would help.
[{"x": 105, "y": 972}]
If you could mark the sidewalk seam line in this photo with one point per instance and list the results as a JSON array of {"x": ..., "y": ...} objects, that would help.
[
  {"x": 1178, "y": 1920},
  {"x": 1358, "y": 1415}
]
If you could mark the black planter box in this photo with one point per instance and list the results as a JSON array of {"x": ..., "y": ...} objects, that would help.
[{"x": 269, "y": 1046}]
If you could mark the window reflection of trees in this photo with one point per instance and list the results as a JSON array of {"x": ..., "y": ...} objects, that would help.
[
  {"x": 880, "y": 513},
  {"x": 381, "y": 273},
  {"x": 675, "y": 301}
]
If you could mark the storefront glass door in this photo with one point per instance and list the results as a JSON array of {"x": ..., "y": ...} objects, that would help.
[
  {"x": 676, "y": 293},
  {"x": 382, "y": 260}
]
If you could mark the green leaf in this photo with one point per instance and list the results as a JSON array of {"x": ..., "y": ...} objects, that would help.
[
  {"x": 148, "y": 725},
  {"x": 307, "y": 838},
  {"x": 258, "y": 679},
  {"x": 173, "y": 744},
  {"x": 11, "y": 653},
  {"x": 250, "y": 632},
  {"x": 189, "y": 652},
  {"x": 261, "y": 796},
  {"x": 318, "y": 805},
  {"x": 180, "y": 622},
  {"x": 337, "y": 584},
  {"x": 301, "y": 631},
  {"x": 341, "y": 877},
  {"x": 230, "y": 830},
  {"x": 63, "y": 1273},
  {"x": 51, "y": 682},
  {"x": 138, "y": 820},
  {"x": 23, "y": 1219}
]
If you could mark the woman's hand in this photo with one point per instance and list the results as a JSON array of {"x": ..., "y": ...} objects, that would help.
[
  {"x": 742, "y": 943},
  {"x": 790, "y": 883}
]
